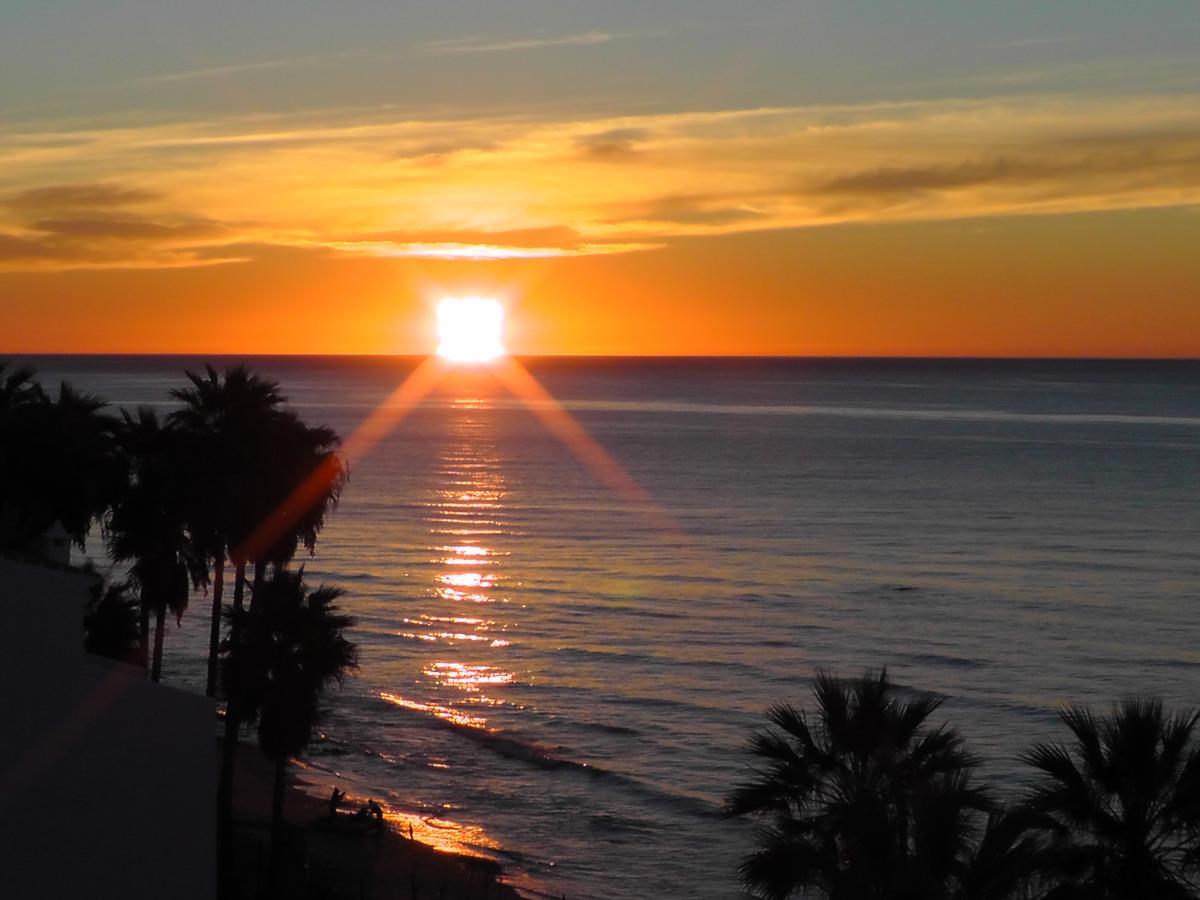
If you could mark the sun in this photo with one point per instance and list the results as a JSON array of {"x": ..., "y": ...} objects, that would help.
[{"x": 469, "y": 329}]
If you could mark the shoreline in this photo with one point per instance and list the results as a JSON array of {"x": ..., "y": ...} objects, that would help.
[{"x": 349, "y": 860}]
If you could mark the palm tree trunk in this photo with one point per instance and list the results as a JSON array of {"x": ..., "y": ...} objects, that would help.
[
  {"x": 214, "y": 634},
  {"x": 277, "y": 820},
  {"x": 160, "y": 617},
  {"x": 239, "y": 586},
  {"x": 260, "y": 572},
  {"x": 144, "y": 636},
  {"x": 227, "y": 876}
]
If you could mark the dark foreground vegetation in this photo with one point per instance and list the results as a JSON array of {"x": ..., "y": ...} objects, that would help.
[
  {"x": 863, "y": 798},
  {"x": 230, "y": 481}
]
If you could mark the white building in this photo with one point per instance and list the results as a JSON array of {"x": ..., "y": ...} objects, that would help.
[{"x": 107, "y": 782}]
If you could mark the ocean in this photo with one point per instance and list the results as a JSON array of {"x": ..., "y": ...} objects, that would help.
[{"x": 563, "y": 676}]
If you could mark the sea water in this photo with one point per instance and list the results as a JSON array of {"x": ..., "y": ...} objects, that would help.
[{"x": 571, "y": 617}]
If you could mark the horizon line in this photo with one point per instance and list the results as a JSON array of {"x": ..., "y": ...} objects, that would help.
[{"x": 898, "y": 357}]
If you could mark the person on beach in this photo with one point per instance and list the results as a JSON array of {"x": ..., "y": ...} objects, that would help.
[
  {"x": 335, "y": 800},
  {"x": 377, "y": 812}
]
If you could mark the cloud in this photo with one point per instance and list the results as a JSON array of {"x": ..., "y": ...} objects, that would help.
[
  {"x": 1041, "y": 41},
  {"x": 614, "y": 143},
  {"x": 526, "y": 243},
  {"x": 367, "y": 182},
  {"x": 482, "y": 252},
  {"x": 239, "y": 68},
  {"x": 80, "y": 196},
  {"x": 905, "y": 179},
  {"x": 537, "y": 42},
  {"x": 51, "y": 252},
  {"x": 94, "y": 228},
  {"x": 127, "y": 228},
  {"x": 443, "y": 149},
  {"x": 690, "y": 210},
  {"x": 18, "y": 249},
  {"x": 1077, "y": 165},
  {"x": 554, "y": 235}
]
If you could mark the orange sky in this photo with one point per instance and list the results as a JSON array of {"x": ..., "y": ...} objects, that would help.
[
  {"x": 832, "y": 179},
  {"x": 1122, "y": 284}
]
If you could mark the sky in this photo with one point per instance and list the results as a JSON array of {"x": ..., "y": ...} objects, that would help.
[{"x": 812, "y": 177}]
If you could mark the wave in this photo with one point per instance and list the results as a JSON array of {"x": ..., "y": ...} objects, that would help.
[
  {"x": 512, "y": 747},
  {"x": 475, "y": 728},
  {"x": 355, "y": 577},
  {"x": 938, "y": 659},
  {"x": 603, "y": 727},
  {"x": 609, "y": 824},
  {"x": 663, "y": 661},
  {"x": 658, "y": 407},
  {"x": 593, "y": 695}
]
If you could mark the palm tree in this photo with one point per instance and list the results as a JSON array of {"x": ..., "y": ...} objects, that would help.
[
  {"x": 250, "y": 456},
  {"x": 224, "y": 418},
  {"x": 17, "y": 389},
  {"x": 18, "y": 392},
  {"x": 1122, "y": 803},
  {"x": 110, "y": 624},
  {"x": 1007, "y": 859},
  {"x": 293, "y": 647},
  {"x": 58, "y": 462},
  {"x": 864, "y": 800},
  {"x": 297, "y": 492},
  {"x": 147, "y": 526},
  {"x": 220, "y": 416}
]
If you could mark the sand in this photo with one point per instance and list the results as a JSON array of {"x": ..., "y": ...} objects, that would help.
[{"x": 347, "y": 860}]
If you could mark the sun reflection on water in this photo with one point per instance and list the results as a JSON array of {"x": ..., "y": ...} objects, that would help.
[
  {"x": 457, "y": 596},
  {"x": 460, "y": 655},
  {"x": 425, "y": 619},
  {"x": 467, "y": 579},
  {"x": 445, "y": 713},
  {"x": 442, "y": 834},
  {"x": 465, "y": 550},
  {"x": 467, "y": 677},
  {"x": 435, "y": 636}
]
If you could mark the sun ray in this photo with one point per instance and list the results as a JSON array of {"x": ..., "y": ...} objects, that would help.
[
  {"x": 520, "y": 381},
  {"x": 369, "y": 432}
]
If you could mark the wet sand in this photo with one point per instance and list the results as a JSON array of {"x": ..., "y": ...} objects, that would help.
[{"x": 348, "y": 859}]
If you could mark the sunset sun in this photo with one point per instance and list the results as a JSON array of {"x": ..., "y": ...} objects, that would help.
[{"x": 469, "y": 329}]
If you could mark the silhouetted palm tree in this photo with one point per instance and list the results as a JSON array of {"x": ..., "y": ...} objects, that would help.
[
  {"x": 301, "y": 455},
  {"x": 110, "y": 625},
  {"x": 147, "y": 526},
  {"x": 293, "y": 647},
  {"x": 225, "y": 418},
  {"x": 1007, "y": 859},
  {"x": 251, "y": 456},
  {"x": 866, "y": 800},
  {"x": 1122, "y": 803},
  {"x": 17, "y": 388},
  {"x": 18, "y": 392},
  {"x": 59, "y": 462}
]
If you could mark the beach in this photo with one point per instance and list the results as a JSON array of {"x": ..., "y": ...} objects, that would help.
[{"x": 349, "y": 859}]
